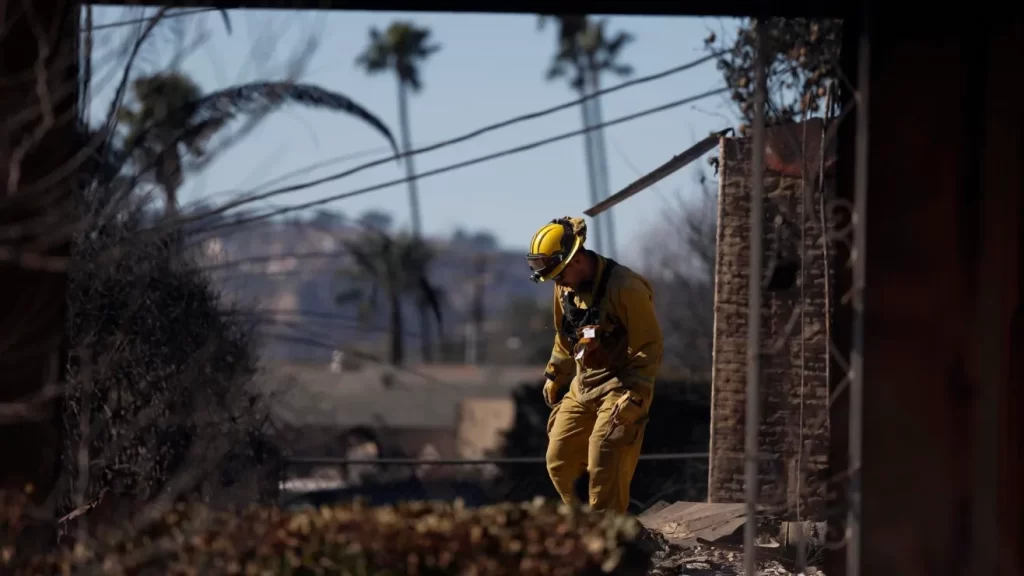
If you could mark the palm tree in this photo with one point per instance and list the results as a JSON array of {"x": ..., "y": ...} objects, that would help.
[
  {"x": 402, "y": 49},
  {"x": 394, "y": 267},
  {"x": 172, "y": 119},
  {"x": 158, "y": 127},
  {"x": 584, "y": 52}
]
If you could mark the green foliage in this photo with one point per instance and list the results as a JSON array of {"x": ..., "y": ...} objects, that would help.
[
  {"x": 402, "y": 48},
  {"x": 802, "y": 61},
  {"x": 392, "y": 267},
  {"x": 422, "y": 539},
  {"x": 585, "y": 51}
]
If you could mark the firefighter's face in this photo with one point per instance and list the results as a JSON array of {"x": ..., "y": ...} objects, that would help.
[{"x": 571, "y": 276}]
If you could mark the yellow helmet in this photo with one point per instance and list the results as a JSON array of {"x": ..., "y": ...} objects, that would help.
[{"x": 553, "y": 246}]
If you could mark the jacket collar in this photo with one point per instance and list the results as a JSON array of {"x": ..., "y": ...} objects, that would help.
[{"x": 602, "y": 266}]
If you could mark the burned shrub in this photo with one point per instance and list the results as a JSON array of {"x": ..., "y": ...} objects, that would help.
[
  {"x": 157, "y": 375},
  {"x": 428, "y": 538}
]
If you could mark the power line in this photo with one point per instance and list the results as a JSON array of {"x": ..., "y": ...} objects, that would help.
[
  {"x": 272, "y": 313},
  {"x": 287, "y": 319},
  {"x": 443, "y": 169},
  {"x": 328, "y": 460},
  {"x": 468, "y": 136},
  {"x": 305, "y": 169},
  {"x": 317, "y": 343},
  {"x": 316, "y": 255}
]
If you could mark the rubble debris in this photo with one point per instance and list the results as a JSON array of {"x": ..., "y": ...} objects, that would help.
[{"x": 705, "y": 539}]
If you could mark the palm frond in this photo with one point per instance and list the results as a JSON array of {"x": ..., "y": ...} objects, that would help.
[
  {"x": 431, "y": 296},
  {"x": 409, "y": 75},
  {"x": 428, "y": 49},
  {"x": 197, "y": 135},
  {"x": 616, "y": 44},
  {"x": 555, "y": 71},
  {"x": 621, "y": 69},
  {"x": 227, "y": 19},
  {"x": 376, "y": 57},
  {"x": 257, "y": 96},
  {"x": 365, "y": 259}
]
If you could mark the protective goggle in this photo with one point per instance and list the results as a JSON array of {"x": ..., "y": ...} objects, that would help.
[{"x": 543, "y": 266}]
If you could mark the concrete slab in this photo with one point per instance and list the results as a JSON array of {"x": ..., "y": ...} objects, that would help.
[
  {"x": 683, "y": 522},
  {"x": 657, "y": 507}
]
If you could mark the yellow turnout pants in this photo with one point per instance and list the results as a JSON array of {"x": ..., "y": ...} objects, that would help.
[{"x": 584, "y": 436}]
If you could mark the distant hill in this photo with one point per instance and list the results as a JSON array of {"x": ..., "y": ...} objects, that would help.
[{"x": 289, "y": 271}]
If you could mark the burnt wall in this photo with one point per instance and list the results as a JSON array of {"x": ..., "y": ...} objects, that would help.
[{"x": 794, "y": 349}]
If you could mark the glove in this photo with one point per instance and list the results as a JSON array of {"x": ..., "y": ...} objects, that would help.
[{"x": 551, "y": 392}]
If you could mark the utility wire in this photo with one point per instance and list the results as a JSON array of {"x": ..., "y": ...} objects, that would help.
[
  {"x": 340, "y": 461},
  {"x": 468, "y": 136},
  {"x": 442, "y": 170},
  {"x": 318, "y": 343},
  {"x": 297, "y": 319},
  {"x": 303, "y": 170},
  {"x": 316, "y": 255}
]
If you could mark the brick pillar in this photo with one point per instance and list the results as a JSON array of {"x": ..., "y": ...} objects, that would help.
[{"x": 794, "y": 379}]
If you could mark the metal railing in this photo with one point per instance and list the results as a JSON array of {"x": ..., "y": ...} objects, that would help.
[
  {"x": 666, "y": 476},
  {"x": 339, "y": 461}
]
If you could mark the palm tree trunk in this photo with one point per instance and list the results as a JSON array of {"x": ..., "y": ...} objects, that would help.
[
  {"x": 168, "y": 177},
  {"x": 175, "y": 234},
  {"x": 601, "y": 164},
  {"x": 426, "y": 346},
  {"x": 33, "y": 352},
  {"x": 588, "y": 149},
  {"x": 426, "y": 336},
  {"x": 478, "y": 311},
  {"x": 410, "y": 167},
  {"x": 395, "y": 328}
]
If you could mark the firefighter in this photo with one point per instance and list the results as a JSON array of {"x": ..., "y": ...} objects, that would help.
[{"x": 607, "y": 351}]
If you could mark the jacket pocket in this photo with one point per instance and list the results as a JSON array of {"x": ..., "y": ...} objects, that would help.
[{"x": 625, "y": 434}]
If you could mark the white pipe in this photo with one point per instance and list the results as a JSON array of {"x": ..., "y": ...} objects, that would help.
[{"x": 753, "y": 417}]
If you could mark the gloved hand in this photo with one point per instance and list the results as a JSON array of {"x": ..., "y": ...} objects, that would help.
[{"x": 551, "y": 392}]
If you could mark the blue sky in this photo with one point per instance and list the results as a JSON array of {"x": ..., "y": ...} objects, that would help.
[{"x": 491, "y": 67}]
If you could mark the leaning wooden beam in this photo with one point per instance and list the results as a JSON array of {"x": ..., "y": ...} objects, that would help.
[{"x": 659, "y": 173}]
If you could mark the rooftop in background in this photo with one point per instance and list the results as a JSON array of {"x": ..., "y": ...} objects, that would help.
[{"x": 377, "y": 395}]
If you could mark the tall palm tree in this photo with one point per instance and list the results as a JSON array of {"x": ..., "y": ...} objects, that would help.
[
  {"x": 402, "y": 49},
  {"x": 585, "y": 52},
  {"x": 392, "y": 267},
  {"x": 171, "y": 119}
]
